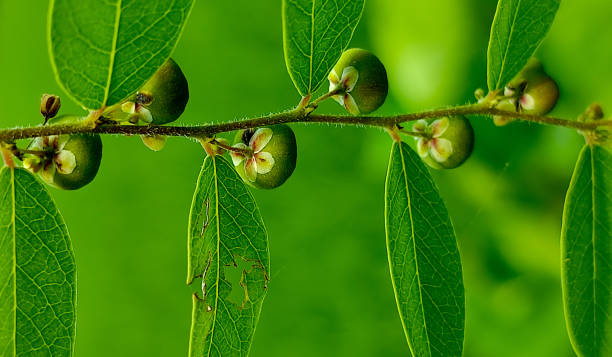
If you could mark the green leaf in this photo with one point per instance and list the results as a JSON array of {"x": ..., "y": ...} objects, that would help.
[
  {"x": 423, "y": 258},
  {"x": 37, "y": 271},
  {"x": 518, "y": 30},
  {"x": 226, "y": 237},
  {"x": 104, "y": 51},
  {"x": 586, "y": 250},
  {"x": 315, "y": 33}
]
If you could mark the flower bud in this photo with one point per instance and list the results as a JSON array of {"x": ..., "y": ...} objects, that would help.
[{"x": 49, "y": 106}]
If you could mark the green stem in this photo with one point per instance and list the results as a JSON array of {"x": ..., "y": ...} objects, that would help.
[
  {"x": 246, "y": 152},
  {"x": 294, "y": 116}
]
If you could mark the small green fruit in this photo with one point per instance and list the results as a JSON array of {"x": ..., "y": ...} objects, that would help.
[
  {"x": 72, "y": 160},
  {"x": 270, "y": 157},
  {"x": 362, "y": 79},
  {"x": 165, "y": 95},
  {"x": 446, "y": 143},
  {"x": 536, "y": 92}
]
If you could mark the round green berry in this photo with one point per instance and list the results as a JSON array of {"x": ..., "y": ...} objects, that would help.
[
  {"x": 445, "y": 143},
  {"x": 265, "y": 157},
  {"x": 361, "y": 79},
  {"x": 165, "y": 95},
  {"x": 71, "y": 161},
  {"x": 536, "y": 92}
]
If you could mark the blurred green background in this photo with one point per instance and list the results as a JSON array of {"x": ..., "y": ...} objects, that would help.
[{"x": 330, "y": 293}]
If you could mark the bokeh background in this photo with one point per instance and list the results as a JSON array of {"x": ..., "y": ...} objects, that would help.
[{"x": 330, "y": 293}]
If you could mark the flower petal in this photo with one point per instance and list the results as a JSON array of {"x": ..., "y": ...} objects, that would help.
[
  {"x": 350, "y": 76},
  {"x": 128, "y": 107},
  {"x": 351, "y": 105},
  {"x": 441, "y": 149},
  {"x": 65, "y": 162},
  {"x": 439, "y": 126},
  {"x": 423, "y": 147},
  {"x": 527, "y": 102},
  {"x": 260, "y": 139},
  {"x": 237, "y": 157},
  {"x": 420, "y": 126},
  {"x": 339, "y": 98},
  {"x": 265, "y": 162},
  {"x": 145, "y": 114},
  {"x": 250, "y": 169},
  {"x": 48, "y": 172},
  {"x": 333, "y": 79}
]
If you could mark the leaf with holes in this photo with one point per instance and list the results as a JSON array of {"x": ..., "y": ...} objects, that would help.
[
  {"x": 315, "y": 33},
  {"x": 228, "y": 248},
  {"x": 586, "y": 251},
  {"x": 103, "y": 51},
  {"x": 518, "y": 30},
  {"x": 38, "y": 294},
  {"x": 423, "y": 258}
]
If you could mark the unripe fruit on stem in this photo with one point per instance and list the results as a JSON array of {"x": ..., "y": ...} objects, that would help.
[
  {"x": 165, "y": 95},
  {"x": 71, "y": 162},
  {"x": 267, "y": 156},
  {"x": 445, "y": 143},
  {"x": 361, "y": 80},
  {"x": 536, "y": 92}
]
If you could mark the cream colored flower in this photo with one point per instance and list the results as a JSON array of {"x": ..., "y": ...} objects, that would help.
[{"x": 261, "y": 162}]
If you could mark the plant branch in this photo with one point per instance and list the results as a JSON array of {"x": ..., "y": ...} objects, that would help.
[{"x": 294, "y": 116}]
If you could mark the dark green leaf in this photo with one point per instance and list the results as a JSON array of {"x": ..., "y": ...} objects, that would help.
[
  {"x": 103, "y": 51},
  {"x": 37, "y": 272},
  {"x": 423, "y": 258},
  {"x": 226, "y": 237},
  {"x": 586, "y": 249},
  {"x": 518, "y": 30},
  {"x": 315, "y": 33}
]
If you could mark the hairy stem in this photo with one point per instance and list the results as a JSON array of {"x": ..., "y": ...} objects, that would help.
[{"x": 293, "y": 116}]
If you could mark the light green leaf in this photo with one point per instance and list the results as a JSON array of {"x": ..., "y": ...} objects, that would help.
[
  {"x": 423, "y": 258},
  {"x": 227, "y": 238},
  {"x": 103, "y": 51},
  {"x": 586, "y": 251},
  {"x": 37, "y": 272},
  {"x": 518, "y": 30},
  {"x": 315, "y": 33}
]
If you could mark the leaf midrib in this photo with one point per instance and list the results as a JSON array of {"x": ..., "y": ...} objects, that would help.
[
  {"x": 113, "y": 52},
  {"x": 405, "y": 176},
  {"x": 503, "y": 64},
  {"x": 218, "y": 254},
  {"x": 312, "y": 28},
  {"x": 14, "y": 267},
  {"x": 593, "y": 239}
]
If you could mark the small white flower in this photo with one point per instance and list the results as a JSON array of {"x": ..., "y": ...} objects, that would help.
[
  {"x": 261, "y": 162},
  {"x": 433, "y": 144},
  {"x": 137, "y": 112},
  {"x": 63, "y": 161},
  {"x": 349, "y": 79}
]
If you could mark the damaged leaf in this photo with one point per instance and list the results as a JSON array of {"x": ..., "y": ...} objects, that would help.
[{"x": 228, "y": 248}]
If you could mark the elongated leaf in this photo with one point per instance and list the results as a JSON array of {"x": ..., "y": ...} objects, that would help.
[
  {"x": 225, "y": 232},
  {"x": 423, "y": 258},
  {"x": 586, "y": 250},
  {"x": 315, "y": 32},
  {"x": 37, "y": 272},
  {"x": 518, "y": 30},
  {"x": 103, "y": 51}
]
